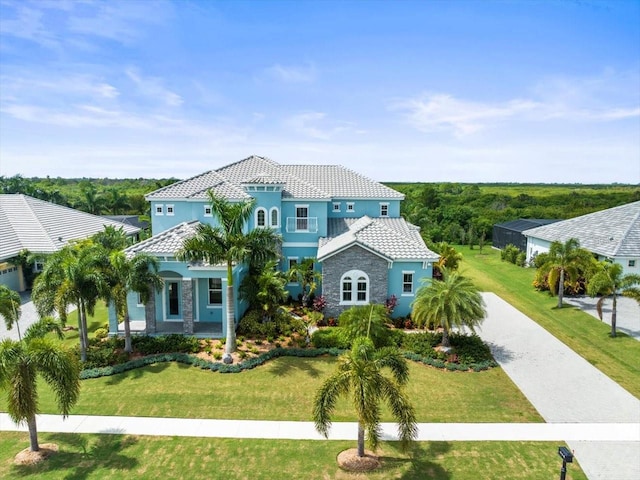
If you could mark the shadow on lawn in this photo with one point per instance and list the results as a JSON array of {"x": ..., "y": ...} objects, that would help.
[
  {"x": 81, "y": 455},
  {"x": 421, "y": 462},
  {"x": 287, "y": 365},
  {"x": 137, "y": 373}
]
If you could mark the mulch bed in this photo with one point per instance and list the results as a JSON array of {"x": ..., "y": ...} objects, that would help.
[
  {"x": 27, "y": 457},
  {"x": 350, "y": 461}
]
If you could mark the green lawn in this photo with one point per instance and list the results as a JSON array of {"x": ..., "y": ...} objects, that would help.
[
  {"x": 618, "y": 358},
  {"x": 114, "y": 457},
  {"x": 283, "y": 389}
]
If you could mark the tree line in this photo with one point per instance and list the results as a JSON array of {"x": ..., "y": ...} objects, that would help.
[{"x": 465, "y": 213}]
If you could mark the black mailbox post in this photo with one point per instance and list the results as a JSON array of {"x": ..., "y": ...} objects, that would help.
[{"x": 567, "y": 457}]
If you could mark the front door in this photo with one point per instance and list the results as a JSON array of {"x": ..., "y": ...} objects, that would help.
[{"x": 173, "y": 300}]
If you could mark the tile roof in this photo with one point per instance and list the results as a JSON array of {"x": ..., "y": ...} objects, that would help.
[
  {"x": 614, "y": 232},
  {"x": 165, "y": 243},
  {"x": 27, "y": 223},
  {"x": 299, "y": 181},
  {"x": 392, "y": 238}
]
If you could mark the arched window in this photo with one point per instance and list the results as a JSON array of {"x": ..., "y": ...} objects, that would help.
[
  {"x": 275, "y": 217},
  {"x": 261, "y": 217},
  {"x": 354, "y": 288}
]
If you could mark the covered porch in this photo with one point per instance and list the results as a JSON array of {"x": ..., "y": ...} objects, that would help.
[{"x": 200, "y": 329}]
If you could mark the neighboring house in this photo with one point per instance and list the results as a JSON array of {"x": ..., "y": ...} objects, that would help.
[
  {"x": 612, "y": 234},
  {"x": 365, "y": 251},
  {"x": 40, "y": 227},
  {"x": 510, "y": 233}
]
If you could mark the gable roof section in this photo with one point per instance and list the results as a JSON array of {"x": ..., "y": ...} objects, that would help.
[
  {"x": 391, "y": 238},
  {"x": 167, "y": 242},
  {"x": 321, "y": 182},
  {"x": 27, "y": 223},
  {"x": 614, "y": 232}
]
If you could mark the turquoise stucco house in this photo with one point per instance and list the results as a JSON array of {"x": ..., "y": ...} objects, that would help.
[{"x": 350, "y": 224}]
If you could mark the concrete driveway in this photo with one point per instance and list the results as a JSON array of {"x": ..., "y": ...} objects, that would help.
[
  {"x": 628, "y": 312},
  {"x": 564, "y": 388}
]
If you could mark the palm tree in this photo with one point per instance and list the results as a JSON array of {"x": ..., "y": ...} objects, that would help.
[
  {"x": 137, "y": 274},
  {"x": 10, "y": 307},
  {"x": 608, "y": 282},
  {"x": 366, "y": 321},
  {"x": 451, "y": 302},
  {"x": 72, "y": 276},
  {"x": 304, "y": 274},
  {"x": 265, "y": 289},
  {"x": 111, "y": 238},
  {"x": 228, "y": 243},
  {"x": 360, "y": 373},
  {"x": 21, "y": 362},
  {"x": 449, "y": 258},
  {"x": 565, "y": 260}
]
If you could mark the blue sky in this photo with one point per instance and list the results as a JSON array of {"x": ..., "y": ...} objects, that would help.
[{"x": 462, "y": 91}]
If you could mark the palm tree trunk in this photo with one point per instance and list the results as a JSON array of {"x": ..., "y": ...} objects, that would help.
[
  {"x": 33, "y": 434},
  {"x": 230, "y": 345},
  {"x": 445, "y": 338},
  {"x": 127, "y": 332},
  {"x": 561, "y": 288},
  {"x": 360, "y": 440},
  {"x": 83, "y": 345},
  {"x": 614, "y": 314}
]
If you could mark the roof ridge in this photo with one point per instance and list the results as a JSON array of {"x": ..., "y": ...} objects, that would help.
[
  {"x": 626, "y": 232},
  {"x": 159, "y": 190},
  {"x": 136, "y": 247},
  {"x": 27, "y": 200},
  {"x": 398, "y": 234}
]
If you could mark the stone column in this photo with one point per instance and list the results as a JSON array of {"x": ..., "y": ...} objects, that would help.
[
  {"x": 150, "y": 314},
  {"x": 187, "y": 305}
]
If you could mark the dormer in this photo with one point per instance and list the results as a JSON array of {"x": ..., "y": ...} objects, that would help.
[{"x": 267, "y": 190}]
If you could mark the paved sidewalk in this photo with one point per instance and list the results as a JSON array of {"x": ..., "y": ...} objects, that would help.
[
  {"x": 564, "y": 387},
  {"x": 282, "y": 430}
]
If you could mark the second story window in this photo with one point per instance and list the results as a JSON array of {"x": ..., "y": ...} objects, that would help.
[
  {"x": 275, "y": 217},
  {"x": 207, "y": 211},
  {"x": 159, "y": 209},
  {"x": 336, "y": 206},
  {"x": 261, "y": 217},
  {"x": 384, "y": 209},
  {"x": 170, "y": 210},
  {"x": 351, "y": 207},
  {"x": 302, "y": 218}
]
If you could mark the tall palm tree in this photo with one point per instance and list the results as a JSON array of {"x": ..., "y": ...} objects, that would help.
[
  {"x": 10, "y": 307},
  {"x": 21, "y": 362},
  {"x": 451, "y": 302},
  {"x": 72, "y": 276},
  {"x": 564, "y": 261},
  {"x": 228, "y": 243},
  {"x": 609, "y": 282},
  {"x": 137, "y": 274},
  {"x": 361, "y": 373}
]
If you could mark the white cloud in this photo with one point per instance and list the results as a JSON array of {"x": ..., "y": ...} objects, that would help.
[
  {"x": 292, "y": 74},
  {"x": 152, "y": 87},
  {"x": 317, "y": 125}
]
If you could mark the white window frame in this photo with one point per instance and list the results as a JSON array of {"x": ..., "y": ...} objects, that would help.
[
  {"x": 302, "y": 218},
  {"x": 211, "y": 290},
  {"x": 405, "y": 283},
  {"x": 171, "y": 210},
  {"x": 337, "y": 206},
  {"x": 260, "y": 210},
  {"x": 384, "y": 209},
  {"x": 351, "y": 207},
  {"x": 353, "y": 279},
  {"x": 159, "y": 209},
  {"x": 277, "y": 213},
  {"x": 631, "y": 263},
  {"x": 208, "y": 211}
]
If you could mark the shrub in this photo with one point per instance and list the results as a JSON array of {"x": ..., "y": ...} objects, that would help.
[
  {"x": 217, "y": 355},
  {"x": 101, "y": 333},
  {"x": 510, "y": 253},
  {"x": 422, "y": 343},
  {"x": 166, "y": 344},
  {"x": 470, "y": 348},
  {"x": 319, "y": 303},
  {"x": 330, "y": 338},
  {"x": 521, "y": 259}
]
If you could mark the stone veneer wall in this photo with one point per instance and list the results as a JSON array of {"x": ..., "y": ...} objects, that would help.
[
  {"x": 187, "y": 305},
  {"x": 354, "y": 258}
]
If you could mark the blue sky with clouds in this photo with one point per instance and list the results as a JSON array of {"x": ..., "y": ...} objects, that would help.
[{"x": 467, "y": 91}]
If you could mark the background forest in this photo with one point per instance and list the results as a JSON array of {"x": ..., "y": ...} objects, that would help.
[{"x": 456, "y": 213}]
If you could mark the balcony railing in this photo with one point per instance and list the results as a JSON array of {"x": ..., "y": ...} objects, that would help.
[{"x": 302, "y": 224}]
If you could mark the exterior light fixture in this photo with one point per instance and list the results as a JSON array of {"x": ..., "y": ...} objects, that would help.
[{"x": 567, "y": 457}]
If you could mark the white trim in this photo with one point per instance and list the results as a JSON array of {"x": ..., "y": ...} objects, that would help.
[
  {"x": 300, "y": 244},
  {"x": 384, "y": 204},
  {"x": 351, "y": 207},
  {"x": 158, "y": 209},
  {"x": 338, "y": 205},
  {"x": 208, "y": 207},
  {"x": 355, "y": 242},
  {"x": 413, "y": 280},
  {"x": 173, "y": 209},
  {"x": 265, "y": 219}
]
